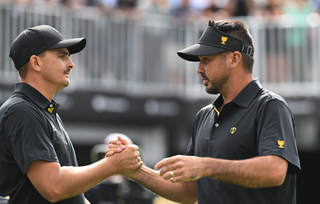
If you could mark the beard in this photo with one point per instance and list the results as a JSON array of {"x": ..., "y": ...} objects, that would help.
[{"x": 216, "y": 86}]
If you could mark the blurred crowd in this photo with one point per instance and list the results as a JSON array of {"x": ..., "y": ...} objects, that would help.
[{"x": 188, "y": 9}]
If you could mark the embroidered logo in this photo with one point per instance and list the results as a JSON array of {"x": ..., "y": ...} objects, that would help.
[
  {"x": 50, "y": 110},
  {"x": 280, "y": 143},
  {"x": 233, "y": 130},
  {"x": 224, "y": 40}
]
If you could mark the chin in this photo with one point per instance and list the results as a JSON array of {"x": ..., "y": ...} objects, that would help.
[
  {"x": 64, "y": 85},
  {"x": 211, "y": 90}
]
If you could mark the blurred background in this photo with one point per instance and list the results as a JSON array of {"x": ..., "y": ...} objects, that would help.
[{"x": 130, "y": 80}]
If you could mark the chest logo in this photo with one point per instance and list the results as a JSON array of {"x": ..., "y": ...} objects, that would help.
[
  {"x": 224, "y": 40},
  {"x": 280, "y": 143},
  {"x": 233, "y": 130}
]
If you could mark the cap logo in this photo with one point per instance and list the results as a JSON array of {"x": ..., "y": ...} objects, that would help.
[
  {"x": 280, "y": 143},
  {"x": 224, "y": 40}
]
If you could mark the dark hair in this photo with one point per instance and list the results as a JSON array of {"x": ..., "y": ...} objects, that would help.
[
  {"x": 23, "y": 71},
  {"x": 239, "y": 30}
]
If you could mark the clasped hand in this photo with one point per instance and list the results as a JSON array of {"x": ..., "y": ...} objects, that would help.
[
  {"x": 129, "y": 160},
  {"x": 176, "y": 169}
]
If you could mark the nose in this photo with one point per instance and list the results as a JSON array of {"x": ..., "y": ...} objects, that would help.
[
  {"x": 70, "y": 64},
  {"x": 200, "y": 68}
]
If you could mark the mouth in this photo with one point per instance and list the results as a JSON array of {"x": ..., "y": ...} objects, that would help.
[
  {"x": 205, "y": 80},
  {"x": 67, "y": 73}
]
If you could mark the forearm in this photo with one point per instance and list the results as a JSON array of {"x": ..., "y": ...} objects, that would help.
[
  {"x": 182, "y": 192},
  {"x": 65, "y": 182},
  {"x": 56, "y": 183},
  {"x": 72, "y": 181},
  {"x": 259, "y": 172}
]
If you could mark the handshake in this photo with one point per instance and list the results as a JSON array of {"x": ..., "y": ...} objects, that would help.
[
  {"x": 173, "y": 177},
  {"x": 125, "y": 155}
]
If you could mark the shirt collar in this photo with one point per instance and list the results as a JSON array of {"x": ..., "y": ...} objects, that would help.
[
  {"x": 35, "y": 96},
  {"x": 245, "y": 97}
]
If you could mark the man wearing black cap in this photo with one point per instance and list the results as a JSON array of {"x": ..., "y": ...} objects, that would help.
[
  {"x": 37, "y": 160},
  {"x": 243, "y": 147}
]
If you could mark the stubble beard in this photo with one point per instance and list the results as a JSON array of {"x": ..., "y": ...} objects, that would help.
[{"x": 217, "y": 85}]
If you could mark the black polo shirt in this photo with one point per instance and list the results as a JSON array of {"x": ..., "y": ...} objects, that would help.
[
  {"x": 256, "y": 123},
  {"x": 31, "y": 130}
]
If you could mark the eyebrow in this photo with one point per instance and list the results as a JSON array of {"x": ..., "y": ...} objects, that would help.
[{"x": 63, "y": 52}]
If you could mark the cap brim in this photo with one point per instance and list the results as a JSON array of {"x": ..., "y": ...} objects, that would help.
[
  {"x": 191, "y": 53},
  {"x": 73, "y": 45}
]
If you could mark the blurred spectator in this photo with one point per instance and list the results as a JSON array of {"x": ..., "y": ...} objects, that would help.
[
  {"x": 298, "y": 7},
  {"x": 299, "y": 36},
  {"x": 158, "y": 6},
  {"x": 268, "y": 7},
  {"x": 217, "y": 10},
  {"x": 297, "y": 11},
  {"x": 22, "y": 2},
  {"x": 195, "y": 10},
  {"x": 201, "y": 10},
  {"x": 240, "y": 7},
  {"x": 126, "y": 4},
  {"x": 316, "y": 3},
  {"x": 106, "y": 5},
  {"x": 120, "y": 8},
  {"x": 73, "y": 4},
  {"x": 199, "y": 5},
  {"x": 180, "y": 8}
]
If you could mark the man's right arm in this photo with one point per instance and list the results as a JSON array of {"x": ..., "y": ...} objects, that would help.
[
  {"x": 182, "y": 192},
  {"x": 56, "y": 183}
]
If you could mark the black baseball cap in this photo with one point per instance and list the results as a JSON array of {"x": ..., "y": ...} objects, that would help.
[
  {"x": 214, "y": 41},
  {"x": 35, "y": 40}
]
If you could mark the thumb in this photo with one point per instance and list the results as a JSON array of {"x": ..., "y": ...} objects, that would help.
[{"x": 123, "y": 141}]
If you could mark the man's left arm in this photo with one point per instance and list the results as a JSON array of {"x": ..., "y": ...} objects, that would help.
[{"x": 258, "y": 172}]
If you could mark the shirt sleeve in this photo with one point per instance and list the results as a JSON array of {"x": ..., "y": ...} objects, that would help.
[
  {"x": 276, "y": 133},
  {"x": 27, "y": 136}
]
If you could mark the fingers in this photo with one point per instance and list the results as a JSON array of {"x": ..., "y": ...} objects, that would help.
[
  {"x": 123, "y": 141},
  {"x": 108, "y": 154},
  {"x": 115, "y": 142},
  {"x": 164, "y": 162},
  {"x": 129, "y": 157},
  {"x": 171, "y": 175},
  {"x": 115, "y": 146}
]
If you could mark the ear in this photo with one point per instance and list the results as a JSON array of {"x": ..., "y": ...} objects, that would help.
[
  {"x": 35, "y": 63},
  {"x": 235, "y": 59}
]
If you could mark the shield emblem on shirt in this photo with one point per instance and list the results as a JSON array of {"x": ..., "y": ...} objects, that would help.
[{"x": 233, "y": 130}]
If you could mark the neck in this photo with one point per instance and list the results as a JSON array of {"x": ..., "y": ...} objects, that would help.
[
  {"x": 42, "y": 88},
  {"x": 234, "y": 87}
]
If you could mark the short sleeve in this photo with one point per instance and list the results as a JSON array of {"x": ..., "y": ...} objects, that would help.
[
  {"x": 27, "y": 135},
  {"x": 276, "y": 133}
]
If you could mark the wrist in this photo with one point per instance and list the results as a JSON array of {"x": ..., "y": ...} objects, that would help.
[
  {"x": 207, "y": 168},
  {"x": 136, "y": 175}
]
